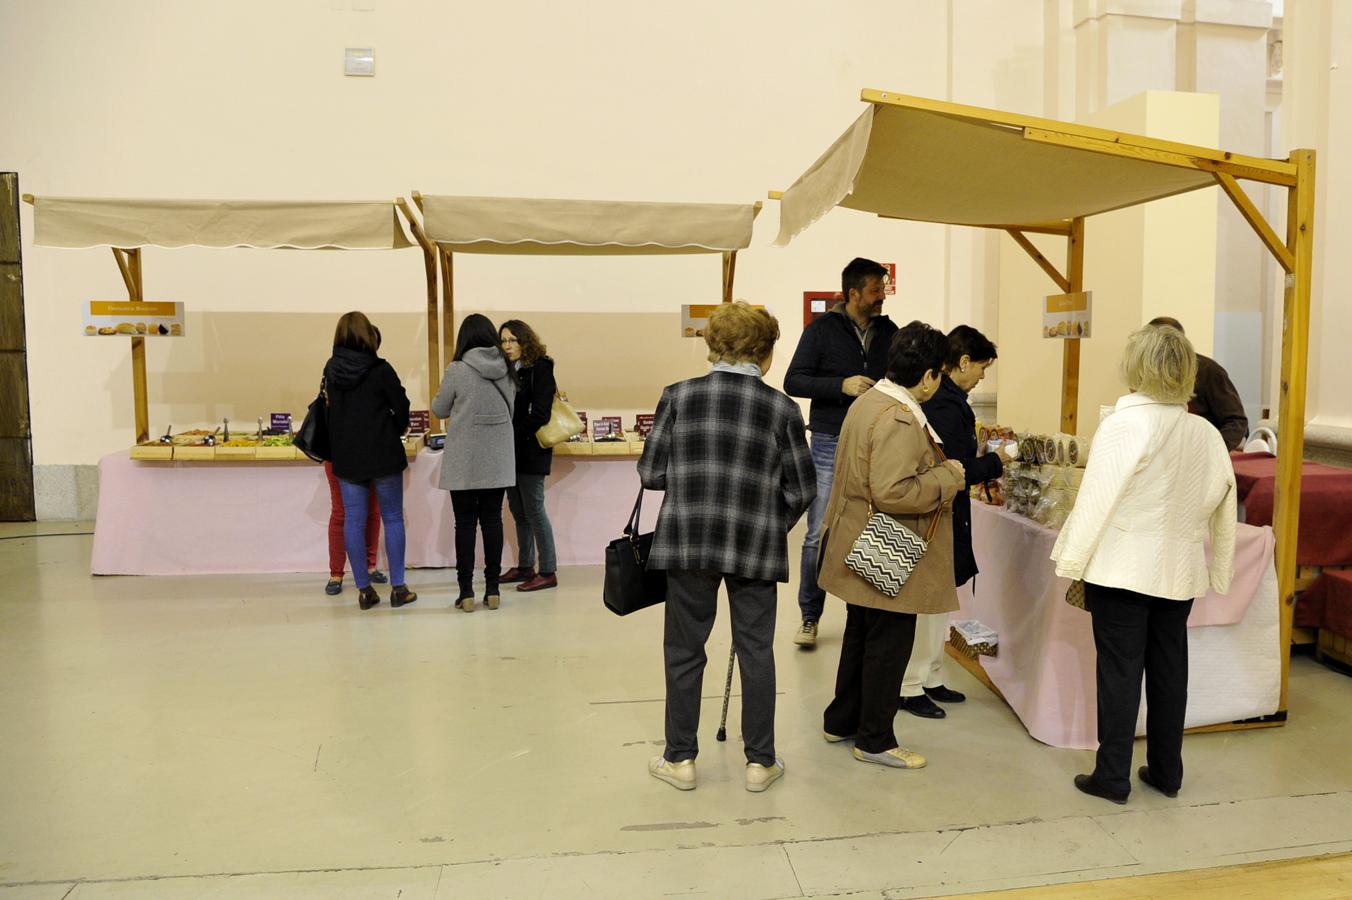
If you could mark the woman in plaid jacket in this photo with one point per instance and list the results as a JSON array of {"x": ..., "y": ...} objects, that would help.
[{"x": 730, "y": 453}]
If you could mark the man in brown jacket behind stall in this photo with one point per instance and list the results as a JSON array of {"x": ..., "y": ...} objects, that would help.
[{"x": 1216, "y": 399}]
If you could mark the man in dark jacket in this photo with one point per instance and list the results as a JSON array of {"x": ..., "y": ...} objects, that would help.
[
  {"x": 839, "y": 357},
  {"x": 1215, "y": 398}
]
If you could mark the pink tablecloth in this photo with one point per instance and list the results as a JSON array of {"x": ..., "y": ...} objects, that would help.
[
  {"x": 210, "y": 518},
  {"x": 1045, "y": 665}
]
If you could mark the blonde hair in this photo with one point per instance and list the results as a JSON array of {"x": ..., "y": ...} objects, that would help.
[
  {"x": 1159, "y": 362},
  {"x": 739, "y": 333}
]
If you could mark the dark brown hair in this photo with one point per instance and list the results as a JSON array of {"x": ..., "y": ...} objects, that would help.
[
  {"x": 532, "y": 348},
  {"x": 355, "y": 332}
]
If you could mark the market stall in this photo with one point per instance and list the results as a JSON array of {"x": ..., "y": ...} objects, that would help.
[
  {"x": 127, "y": 226},
  {"x": 932, "y": 161},
  {"x": 274, "y": 518},
  {"x": 543, "y": 227}
]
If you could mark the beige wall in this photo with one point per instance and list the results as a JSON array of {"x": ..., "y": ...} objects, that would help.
[
  {"x": 706, "y": 102},
  {"x": 1142, "y": 262}
]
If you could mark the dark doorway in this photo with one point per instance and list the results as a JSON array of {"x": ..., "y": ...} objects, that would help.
[{"x": 16, "y": 433}]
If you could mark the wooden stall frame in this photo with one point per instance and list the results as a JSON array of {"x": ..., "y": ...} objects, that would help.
[
  {"x": 430, "y": 259},
  {"x": 447, "y": 260},
  {"x": 1296, "y": 173},
  {"x": 129, "y": 264}
]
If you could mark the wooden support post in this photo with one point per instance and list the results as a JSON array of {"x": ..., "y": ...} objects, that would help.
[
  {"x": 1256, "y": 221},
  {"x": 1052, "y": 272},
  {"x": 430, "y": 270},
  {"x": 1070, "y": 354},
  {"x": 1291, "y": 416},
  {"x": 447, "y": 305},
  {"x": 729, "y": 273},
  {"x": 129, "y": 262}
]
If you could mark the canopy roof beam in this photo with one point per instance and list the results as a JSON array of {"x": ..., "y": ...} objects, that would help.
[
  {"x": 1168, "y": 152},
  {"x": 1121, "y": 147}
]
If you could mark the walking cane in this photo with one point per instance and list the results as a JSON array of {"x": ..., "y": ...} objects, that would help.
[{"x": 727, "y": 695}]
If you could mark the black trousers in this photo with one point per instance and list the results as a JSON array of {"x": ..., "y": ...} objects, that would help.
[
  {"x": 692, "y": 600},
  {"x": 1134, "y": 633},
  {"x": 873, "y": 656},
  {"x": 474, "y": 510}
]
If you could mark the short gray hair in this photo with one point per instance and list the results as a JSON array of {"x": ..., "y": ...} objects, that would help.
[{"x": 1159, "y": 362}]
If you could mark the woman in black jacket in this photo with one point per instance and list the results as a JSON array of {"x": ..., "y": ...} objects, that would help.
[
  {"x": 368, "y": 413},
  {"x": 534, "y": 401},
  {"x": 970, "y": 354}
]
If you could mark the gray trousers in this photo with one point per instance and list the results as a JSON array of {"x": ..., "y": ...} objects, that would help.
[
  {"x": 526, "y": 500},
  {"x": 692, "y": 601}
]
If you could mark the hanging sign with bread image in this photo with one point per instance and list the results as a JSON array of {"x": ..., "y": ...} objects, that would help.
[
  {"x": 695, "y": 318},
  {"x": 123, "y": 318},
  {"x": 1067, "y": 316}
]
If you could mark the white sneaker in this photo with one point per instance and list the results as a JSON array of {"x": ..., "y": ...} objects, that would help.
[
  {"x": 836, "y": 738},
  {"x": 896, "y": 758},
  {"x": 680, "y": 775},
  {"x": 759, "y": 777},
  {"x": 807, "y": 635}
]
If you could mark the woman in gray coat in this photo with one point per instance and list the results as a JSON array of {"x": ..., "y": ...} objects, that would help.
[{"x": 478, "y": 464}]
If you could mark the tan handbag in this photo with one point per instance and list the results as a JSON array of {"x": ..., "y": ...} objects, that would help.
[
  {"x": 1075, "y": 594},
  {"x": 563, "y": 423}
]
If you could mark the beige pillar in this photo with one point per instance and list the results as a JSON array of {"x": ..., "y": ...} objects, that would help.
[
  {"x": 1222, "y": 49},
  {"x": 1123, "y": 47},
  {"x": 1140, "y": 262},
  {"x": 1317, "y": 113}
]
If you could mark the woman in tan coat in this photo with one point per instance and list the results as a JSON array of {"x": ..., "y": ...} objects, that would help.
[{"x": 888, "y": 460}]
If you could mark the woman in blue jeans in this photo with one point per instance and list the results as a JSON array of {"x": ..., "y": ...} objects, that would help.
[
  {"x": 535, "y": 391},
  {"x": 368, "y": 413}
]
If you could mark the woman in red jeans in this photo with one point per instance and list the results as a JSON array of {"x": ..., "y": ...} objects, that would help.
[{"x": 337, "y": 549}]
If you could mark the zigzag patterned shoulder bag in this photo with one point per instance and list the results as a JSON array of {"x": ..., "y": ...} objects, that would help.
[{"x": 887, "y": 552}]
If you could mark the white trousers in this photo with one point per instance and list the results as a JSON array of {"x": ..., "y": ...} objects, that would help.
[{"x": 927, "y": 655}]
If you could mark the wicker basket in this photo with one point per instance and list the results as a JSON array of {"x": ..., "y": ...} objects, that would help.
[{"x": 972, "y": 651}]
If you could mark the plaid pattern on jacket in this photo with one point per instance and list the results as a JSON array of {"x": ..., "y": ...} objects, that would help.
[{"x": 730, "y": 453}]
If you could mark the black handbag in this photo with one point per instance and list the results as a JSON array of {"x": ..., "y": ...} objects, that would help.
[
  {"x": 630, "y": 585},
  {"x": 313, "y": 437}
]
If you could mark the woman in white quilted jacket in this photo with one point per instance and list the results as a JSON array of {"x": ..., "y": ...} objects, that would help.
[{"x": 1159, "y": 483}]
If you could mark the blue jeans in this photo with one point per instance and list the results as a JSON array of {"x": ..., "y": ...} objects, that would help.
[
  {"x": 527, "y": 502},
  {"x": 390, "y": 496},
  {"x": 812, "y": 599}
]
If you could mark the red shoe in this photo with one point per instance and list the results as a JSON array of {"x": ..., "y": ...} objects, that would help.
[
  {"x": 539, "y": 583},
  {"x": 515, "y": 574}
]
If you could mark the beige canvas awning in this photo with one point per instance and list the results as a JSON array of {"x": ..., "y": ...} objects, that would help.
[
  {"x": 585, "y": 227},
  {"x": 296, "y": 224},
  {"x": 909, "y": 162}
]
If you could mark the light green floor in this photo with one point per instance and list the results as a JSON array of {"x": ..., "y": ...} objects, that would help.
[{"x": 249, "y": 736}]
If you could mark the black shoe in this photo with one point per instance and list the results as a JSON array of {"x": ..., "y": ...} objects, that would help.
[
  {"x": 1144, "y": 774},
  {"x": 367, "y": 598},
  {"x": 401, "y": 596},
  {"x": 379, "y": 577},
  {"x": 334, "y": 587},
  {"x": 1088, "y": 785},
  {"x": 921, "y": 706},
  {"x": 944, "y": 695}
]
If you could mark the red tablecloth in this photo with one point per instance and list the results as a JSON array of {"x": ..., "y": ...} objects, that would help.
[
  {"x": 1327, "y": 604},
  {"x": 1325, "y": 506}
]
